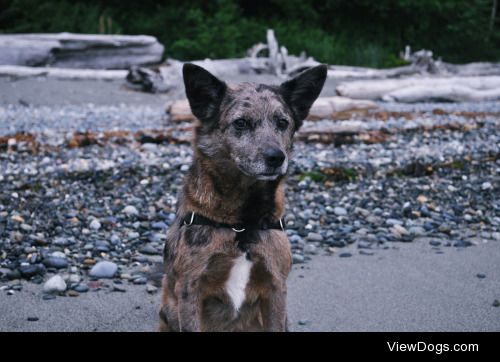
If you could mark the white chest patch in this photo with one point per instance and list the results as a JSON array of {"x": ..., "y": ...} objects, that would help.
[{"x": 238, "y": 280}]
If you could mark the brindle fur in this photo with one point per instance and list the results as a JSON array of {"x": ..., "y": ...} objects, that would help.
[{"x": 229, "y": 183}]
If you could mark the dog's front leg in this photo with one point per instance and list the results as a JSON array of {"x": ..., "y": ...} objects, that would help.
[
  {"x": 188, "y": 307},
  {"x": 274, "y": 312}
]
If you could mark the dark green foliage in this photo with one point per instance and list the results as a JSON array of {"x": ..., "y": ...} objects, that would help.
[{"x": 355, "y": 32}]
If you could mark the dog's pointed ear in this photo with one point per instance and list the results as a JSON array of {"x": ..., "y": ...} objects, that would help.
[
  {"x": 204, "y": 92},
  {"x": 301, "y": 92}
]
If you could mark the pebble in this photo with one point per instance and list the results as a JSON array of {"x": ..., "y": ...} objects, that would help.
[
  {"x": 149, "y": 250},
  {"x": 297, "y": 258},
  {"x": 140, "y": 280},
  {"x": 462, "y": 244},
  {"x": 314, "y": 237},
  {"x": 55, "y": 262},
  {"x": 486, "y": 186},
  {"x": 340, "y": 211},
  {"x": 73, "y": 293},
  {"x": 481, "y": 275},
  {"x": 118, "y": 288},
  {"x": 95, "y": 225},
  {"x": 310, "y": 249},
  {"x": 81, "y": 288},
  {"x": 345, "y": 255},
  {"x": 496, "y": 303},
  {"x": 55, "y": 284},
  {"x": 130, "y": 210},
  {"x": 151, "y": 289},
  {"x": 32, "y": 319},
  {"x": 103, "y": 269}
]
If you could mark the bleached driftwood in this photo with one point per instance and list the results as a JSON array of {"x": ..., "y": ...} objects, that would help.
[
  {"x": 414, "y": 89},
  {"x": 278, "y": 61},
  {"x": 67, "y": 50},
  {"x": 452, "y": 92},
  {"x": 323, "y": 108},
  {"x": 63, "y": 73}
]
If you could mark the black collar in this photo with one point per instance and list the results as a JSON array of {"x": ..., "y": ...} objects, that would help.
[{"x": 195, "y": 219}]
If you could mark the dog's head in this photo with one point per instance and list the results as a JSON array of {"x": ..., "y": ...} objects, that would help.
[{"x": 250, "y": 126}]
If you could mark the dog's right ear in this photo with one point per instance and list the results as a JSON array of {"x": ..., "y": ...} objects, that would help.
[{"x": 204, "y": 92}]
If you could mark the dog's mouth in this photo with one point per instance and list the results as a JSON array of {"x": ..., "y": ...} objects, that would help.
[{"x": 266, "y": 176}]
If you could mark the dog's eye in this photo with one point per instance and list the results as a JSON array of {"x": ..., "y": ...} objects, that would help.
[
  {"x": 240, "y": 124},
  {"x": 282, "y": 123}
]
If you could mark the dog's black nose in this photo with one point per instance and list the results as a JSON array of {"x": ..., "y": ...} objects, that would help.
[{"x": 274, "y": 157}]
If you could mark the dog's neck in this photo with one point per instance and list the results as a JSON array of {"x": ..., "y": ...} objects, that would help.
[{"x": 224, "y": 194}]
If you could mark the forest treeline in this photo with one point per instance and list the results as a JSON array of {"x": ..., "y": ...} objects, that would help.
[{"x": 354, "y": 32}]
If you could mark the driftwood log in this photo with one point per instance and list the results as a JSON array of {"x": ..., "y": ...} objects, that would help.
[
  {"x": 67, "y": 50},
  {"x": 323, "y": 108},
  {"x": 424, "y": 89},
  {"x": 63, "y": 73}
]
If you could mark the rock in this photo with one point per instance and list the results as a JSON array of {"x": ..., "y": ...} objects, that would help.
[
  {"x": 366, "y": 252},
  {"x": 17, "y": 218},
  {"x": 28, "y": 271},
  {"x": 481, "y": 275},
  {"x": 119, "y": 288},
  {"x": 310, "y": 249},
  {"x": 462, "y": 244},
  {"x": 416, "y": 231},
  {"x": 496, "y": 303},
  {"x": 486, "y": 186},
  {"x": 314, "y": 237},
  {"x": 140, "y": 280},
  {"x": 394, "y": 222},
  {"x": 103, "y": 269},
  {"x": 151, "y": 289},
  {"x": 435, "y": 242},
  {"x": 339, "y": 211},
  {"x": 81, "y": 288},
  {"x": 398, "y": 231},
  {"x": 345, "y": 255},
  {"x": 130, "y": 210},
  {"x": 56, "y": 284},
  {"x": 303, "y": 322},
  {"x": 32, "y": 319},
  {"x": 337, "y": 243},
  {"x": 95, "y": 224},
  {"x": 149, "y": 250},
  {"x": 495, "y": 236},
  {"x": 73, "y": 293},
  {"x": 58, "y": 254},
  {"x": 159, "y": 225},
  {"x": 297, "y": 258},
  {"x": 53, "y": 262}
]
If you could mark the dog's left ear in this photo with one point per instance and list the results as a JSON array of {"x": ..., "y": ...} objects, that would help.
[
  {"x": 204, "y": 92},
  {"x": 301, "y": 91}
]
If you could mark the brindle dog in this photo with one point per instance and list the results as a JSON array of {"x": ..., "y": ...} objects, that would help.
[{"x": 227, "y": 256}]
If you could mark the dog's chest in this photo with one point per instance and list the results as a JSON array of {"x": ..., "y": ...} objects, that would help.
[{"x": 237, "y": 281}]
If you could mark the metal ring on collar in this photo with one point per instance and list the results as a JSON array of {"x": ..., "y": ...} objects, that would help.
[
  {"x": 238, "y": 230},
  {"x": 190, "y": 221},
  {"x": 281, "y": 224}
]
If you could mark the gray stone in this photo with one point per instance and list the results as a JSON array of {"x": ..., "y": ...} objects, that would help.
[
  {"x": 95, "y": 224},
  {"x": 149, "y": 250},
  {"x": 56, "y": 284},
  {"x": 393, "y": 222},
  {"x": 103, "y": 269},
  {"x": 297, "y": 258},
  {"x": 130, "y": 210},
  {"x": 314, "y": 237},
  {"x": 340, "y": 211},
  {"x": 54, "y": 262},
  {"x": 486, "y": 186},
  {"x": 310, "y": 249}
]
